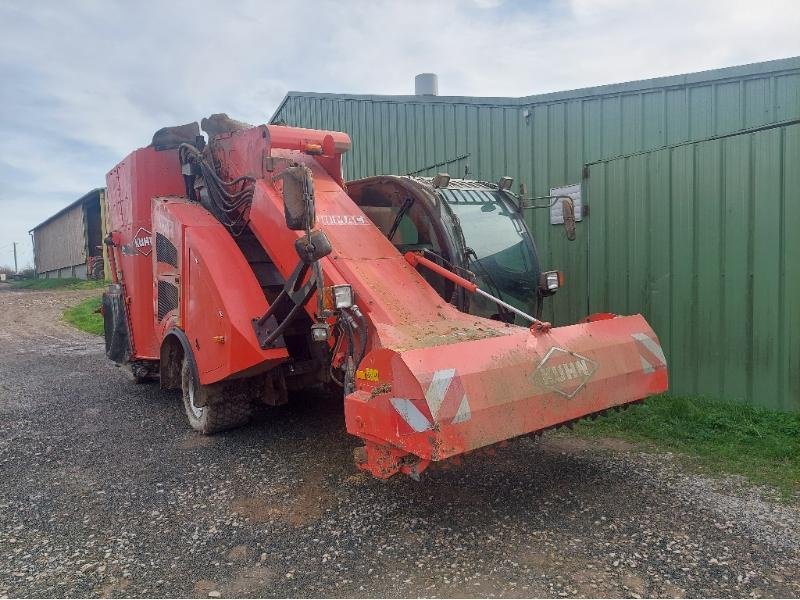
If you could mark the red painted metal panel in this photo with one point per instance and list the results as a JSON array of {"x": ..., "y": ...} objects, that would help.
[
  {"x": 132, "y": 184},
  {"x": 220, "y": 295},
  {"x": 443, "y": 400},
  {"x": 438, "y": 382},
  {"x": 435, "y": 382}
]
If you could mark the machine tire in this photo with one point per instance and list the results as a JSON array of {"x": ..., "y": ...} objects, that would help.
[
  {"x": 97, "y": 270},
  {"x": 141, "y": 380},
  {"x": 220, "y": 411},
  {"x": 142, "y": 373}
]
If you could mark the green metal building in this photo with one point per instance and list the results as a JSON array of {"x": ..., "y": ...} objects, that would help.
[{"x": 693, "y": 184}]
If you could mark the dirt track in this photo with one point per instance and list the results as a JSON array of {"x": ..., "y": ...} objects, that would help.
[
  {"x": 106, "y": 492},
  {"x": 31, "y": 322}
]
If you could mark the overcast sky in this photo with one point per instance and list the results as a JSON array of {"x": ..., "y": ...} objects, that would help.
[{"x": 84, "y": 83}]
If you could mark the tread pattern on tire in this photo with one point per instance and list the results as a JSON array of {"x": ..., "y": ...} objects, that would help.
[
  {"x": 224, "y": 414},
  {"x": 226, "y": 407}
]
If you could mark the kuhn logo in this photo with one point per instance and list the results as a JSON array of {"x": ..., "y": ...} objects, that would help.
[
  {"x": 564, "y": 372},
  {"x": 143, "y": 241}
]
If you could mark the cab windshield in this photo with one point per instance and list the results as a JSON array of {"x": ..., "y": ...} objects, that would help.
[{"x": 500, "y": 250}]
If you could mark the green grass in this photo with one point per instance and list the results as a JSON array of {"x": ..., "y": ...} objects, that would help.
[
  {"x": 84, "y": 316},
  {"x": 719, "y": 437},
  {"x": 62, "y": 284}
]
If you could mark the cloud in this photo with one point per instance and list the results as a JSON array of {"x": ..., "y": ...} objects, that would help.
[
  {"x": 85, "y": 83},
  {"x": 487, "y": 3}
]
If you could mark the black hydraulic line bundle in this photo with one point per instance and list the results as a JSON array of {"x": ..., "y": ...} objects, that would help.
[{"x": 228, "y": 201}]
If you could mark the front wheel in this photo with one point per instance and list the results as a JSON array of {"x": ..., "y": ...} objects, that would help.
[{"x": 208, "y": 407}]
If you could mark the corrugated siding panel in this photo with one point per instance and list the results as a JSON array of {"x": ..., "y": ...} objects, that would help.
[
  {"x": 545, "y": 144},
  {"x": 61, "y": 243},
  {"x": 104, "y": 233},
  {"x": 547, "y": 148},
  {"x": 701, "y": 239}
]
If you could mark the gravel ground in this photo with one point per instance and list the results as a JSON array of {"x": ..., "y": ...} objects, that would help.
[{"x": 106, "y": 492}]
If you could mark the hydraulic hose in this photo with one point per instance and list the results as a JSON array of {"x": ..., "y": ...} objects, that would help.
[
  {"x": 229, "y": 205},
  {"x": 362, "y": 324},
  {"x": 348, "y": 324}
]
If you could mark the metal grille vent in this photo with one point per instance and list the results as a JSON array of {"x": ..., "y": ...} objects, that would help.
[
  {"x": 167, "y": 298},
  {"x": 165, "y": 251}
]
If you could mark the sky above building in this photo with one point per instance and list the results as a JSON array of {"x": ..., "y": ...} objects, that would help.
[{"x": 85, "y": 83}]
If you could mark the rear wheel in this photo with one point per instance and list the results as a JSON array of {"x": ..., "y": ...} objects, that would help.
[{"x": 209, "y": 408}]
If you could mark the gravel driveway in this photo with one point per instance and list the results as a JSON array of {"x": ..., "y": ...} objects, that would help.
[{"x": 107, "y": 492}]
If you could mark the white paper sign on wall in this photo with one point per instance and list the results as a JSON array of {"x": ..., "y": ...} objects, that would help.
[{"x": 556, "y": 212}]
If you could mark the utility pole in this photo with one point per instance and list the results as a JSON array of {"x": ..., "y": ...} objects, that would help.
[{"x": 15, "y": 258}]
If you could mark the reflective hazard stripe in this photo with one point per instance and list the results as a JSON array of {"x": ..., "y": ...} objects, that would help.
[
  {"x": 447, "y": 403},
  {"x": 651, "y": 355},
  {"x": 438, "y": 389},
  {"x": 463, "y": 413},
  {"x": 411, "y": 414}
]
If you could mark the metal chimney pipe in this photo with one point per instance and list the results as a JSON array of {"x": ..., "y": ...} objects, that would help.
[{"x": 426, "y": 84}]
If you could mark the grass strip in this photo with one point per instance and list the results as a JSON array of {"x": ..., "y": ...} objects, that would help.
[
  {"x": 61, "y": 284},
  {"x": 85, "y": 317},
  {"x": 762, "y": 445}
]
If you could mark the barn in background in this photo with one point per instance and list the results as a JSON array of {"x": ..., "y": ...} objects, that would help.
[
  {"x": 70, "y": 243},
  {"x": 693, "y": 187}
]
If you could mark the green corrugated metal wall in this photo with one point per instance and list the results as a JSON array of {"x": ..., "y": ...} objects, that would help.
[
  {"x": 544, "y": 141},
  {"x": 709, "y": 251}
]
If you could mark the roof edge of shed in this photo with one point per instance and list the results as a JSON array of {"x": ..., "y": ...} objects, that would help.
[
  {"x": 67, "y": 208},
  {"x": 707, "y": 76}
]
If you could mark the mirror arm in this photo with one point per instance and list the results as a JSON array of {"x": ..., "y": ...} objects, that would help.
[
  {"x": 407, "y": 204},
  {"x": 553, "y": 200},
  {"x": 290, "y": 301}
]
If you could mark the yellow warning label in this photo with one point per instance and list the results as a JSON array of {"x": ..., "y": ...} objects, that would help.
[
  {"x": 360, "y": 374},
  {"x": 371, "y": 374}
]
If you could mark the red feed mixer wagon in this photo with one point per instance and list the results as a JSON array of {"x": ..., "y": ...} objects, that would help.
[{"x": 246, "y": 268}]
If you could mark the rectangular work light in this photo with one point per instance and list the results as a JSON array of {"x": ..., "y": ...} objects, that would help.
[
  {"x": 551, "y": 281},
  {"x": 336, "y": 297}
]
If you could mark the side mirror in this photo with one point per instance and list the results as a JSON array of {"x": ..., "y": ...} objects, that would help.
[
  {"x": 298, "y": 198},
  {"x": 568, "y": 210}
]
